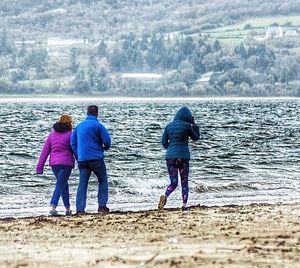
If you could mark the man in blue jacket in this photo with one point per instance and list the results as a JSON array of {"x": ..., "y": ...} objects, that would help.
[{"x": 89, "y": 140}]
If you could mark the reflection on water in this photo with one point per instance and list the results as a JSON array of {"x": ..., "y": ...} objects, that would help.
[{"x": 249, "y": 152}]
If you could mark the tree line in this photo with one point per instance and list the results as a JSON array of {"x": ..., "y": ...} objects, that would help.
[{"x": 256, "y": 69}]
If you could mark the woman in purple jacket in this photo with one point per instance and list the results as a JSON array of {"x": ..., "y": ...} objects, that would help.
[{"x": 61, "y": 161}]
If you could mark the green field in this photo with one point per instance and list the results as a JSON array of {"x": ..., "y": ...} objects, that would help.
[
  {"x": 233, "y": 34},
  {"x": 259, "y": 22}
]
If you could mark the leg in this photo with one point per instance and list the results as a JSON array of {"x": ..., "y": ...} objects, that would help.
[
  {"x": 173, "y": 174},
  {"x": 58, "y": 171},
  {"x": 84, "y": 176},
  {"x": 66, "y": 196},
  {"x": 99, "y": 168},
  {"x": 184, "y": 175},
  {"x": 65, "y": 191}
]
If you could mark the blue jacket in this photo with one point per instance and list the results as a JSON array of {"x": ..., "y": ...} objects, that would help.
[
  {"x": 89, "y": 140},
  {"x": 176, "y": 135}
]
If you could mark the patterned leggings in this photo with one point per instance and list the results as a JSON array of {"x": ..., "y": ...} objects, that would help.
[{"x": 181, "y": 165}]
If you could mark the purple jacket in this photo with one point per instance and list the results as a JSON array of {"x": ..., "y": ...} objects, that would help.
[{"x": 58, "y": 146}]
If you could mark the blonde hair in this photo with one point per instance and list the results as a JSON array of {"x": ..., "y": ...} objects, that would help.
[{"x": 66, "y": 119}]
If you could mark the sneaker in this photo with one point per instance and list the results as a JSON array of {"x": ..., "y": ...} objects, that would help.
[
  {"x": 183, "y": 208},
  {"x": 53, "y": 213},
  {"x": 162, "y": 202},
  {"x": 69, "y": 213},
  {"x": 80, "y": 213},
  {"x": 103, "y": 209}
]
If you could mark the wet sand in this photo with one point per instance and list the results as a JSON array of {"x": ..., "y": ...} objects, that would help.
[{"x": 245, "y": 236}]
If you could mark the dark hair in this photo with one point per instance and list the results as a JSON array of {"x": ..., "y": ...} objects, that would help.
[{"x": 92, "y": 110}]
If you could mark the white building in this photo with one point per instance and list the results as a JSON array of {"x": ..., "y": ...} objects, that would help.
[
  {"x": 142, "y": 75},
  {"x": 55, "y": 41},
  {"x": 205, "y": 78},
  {"x": 274, "y": 32},
  {"x": 25, "y": 42},
  {"x": 291, "y": 33}
]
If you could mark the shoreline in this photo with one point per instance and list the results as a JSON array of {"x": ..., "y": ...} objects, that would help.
[
  {"x": 255, "y": 235},
  {"x": 168, "y": 209},
  {"x": 70, "y": 98}
]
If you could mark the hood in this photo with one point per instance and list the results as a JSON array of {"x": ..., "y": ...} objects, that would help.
[
  {"x": 184, "y": 114},
  {"x": 60, "y": 127}
]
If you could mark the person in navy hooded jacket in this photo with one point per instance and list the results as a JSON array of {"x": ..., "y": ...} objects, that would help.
[
  {"x": 175, "y": 139},
  {"x": 89, "y": 140}
]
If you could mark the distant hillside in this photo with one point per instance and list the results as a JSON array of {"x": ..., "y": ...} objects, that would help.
[
  {"x": 110, "y": 19},
  {"x": 150, "y": 47}
]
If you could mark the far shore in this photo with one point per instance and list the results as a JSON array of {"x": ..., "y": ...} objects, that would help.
[
  {"x": 257, "y": 235},
  {"x": 71, "y": 98}
]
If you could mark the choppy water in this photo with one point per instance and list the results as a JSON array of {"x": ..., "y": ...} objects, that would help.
[{"x": 249, "y": 152}]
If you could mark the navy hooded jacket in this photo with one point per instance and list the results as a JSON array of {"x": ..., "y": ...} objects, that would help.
[
  {"x": 177, "y": 133},
  {"x": 89, "y": 140}
]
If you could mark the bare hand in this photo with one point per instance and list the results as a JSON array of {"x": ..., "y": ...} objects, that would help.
[{"x": 193, "y": 120}]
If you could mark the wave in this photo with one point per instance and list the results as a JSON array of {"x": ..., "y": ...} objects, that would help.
[
  {"x": 231, "y": 166},
  {"x": 245, "y": 150},
  {"x": 232, "y": 186},
  {"x": 22, "y": 155}
]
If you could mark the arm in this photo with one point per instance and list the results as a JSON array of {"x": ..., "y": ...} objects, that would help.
[
  {"x": 43, "y": 157},
  {"x": 104, "y": 137},
  {"x": 73, "y": 143},
  {"x": 194, "y": 132},
  {"x": 165, "y": 139}
]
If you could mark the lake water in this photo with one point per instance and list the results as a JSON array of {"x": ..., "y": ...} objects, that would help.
[{"x": 249, "y": 152}]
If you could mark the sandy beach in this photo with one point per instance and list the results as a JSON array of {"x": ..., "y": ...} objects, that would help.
[{"x": 245, "y": 236}]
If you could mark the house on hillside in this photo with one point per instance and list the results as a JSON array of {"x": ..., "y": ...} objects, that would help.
[
  {"x": 55, "y": 41},
  {"x": 209, "y": 78},
  {"x": 291, "y": 33},
  {"x": 260, "y": 38},
  {"x": 173, "y": 35},
  {"x": 274, "y": 32},
  {"x": 25, "y": 42},
  {"x": 144, "y": 78},
  {"x": 28, "y": 45},
  {"x": 141, "y": 76},
  {"x": 59, "y": 48},
  {"x": 270, "y": 32},
  {"x": 205, "y": 78}
]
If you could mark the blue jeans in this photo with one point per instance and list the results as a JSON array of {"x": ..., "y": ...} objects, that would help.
[
  {"x": 62, "y": 174},
  {"x": 85, "y": 170}
]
